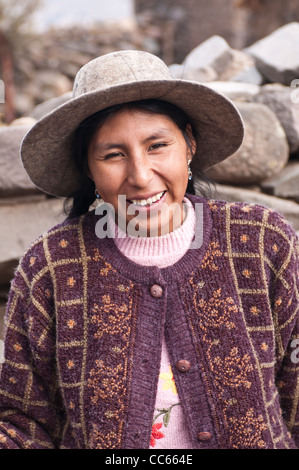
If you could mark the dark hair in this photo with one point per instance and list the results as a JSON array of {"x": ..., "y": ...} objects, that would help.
[{"x": 78, "y": 203}]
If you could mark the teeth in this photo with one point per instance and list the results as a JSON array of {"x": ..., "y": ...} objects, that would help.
[{"x": 147, "y": 202}]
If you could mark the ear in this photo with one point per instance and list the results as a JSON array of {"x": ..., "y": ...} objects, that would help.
[
  {"x": 88, "y": 172},
  {"x": 191, "y": 141}
]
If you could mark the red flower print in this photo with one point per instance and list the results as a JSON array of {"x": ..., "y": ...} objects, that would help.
[{"x": 156, "y": 434}]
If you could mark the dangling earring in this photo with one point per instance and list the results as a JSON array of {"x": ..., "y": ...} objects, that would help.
[
  {"x": 97, "y": 194},
  {"x": 190, "y": 176}
]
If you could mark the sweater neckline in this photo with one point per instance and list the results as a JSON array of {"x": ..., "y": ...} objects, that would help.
[
  {"x": 183, "y": 267},
  {"x": 161, "y": 251}
]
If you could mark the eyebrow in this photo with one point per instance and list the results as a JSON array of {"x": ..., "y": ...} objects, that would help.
[{"x": 105, "y": 146}]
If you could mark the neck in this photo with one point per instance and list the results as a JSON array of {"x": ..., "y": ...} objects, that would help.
[{"x": 161, "y": 250}]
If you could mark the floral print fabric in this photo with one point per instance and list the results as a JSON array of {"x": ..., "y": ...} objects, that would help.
[{"x": 169, "y": 429}]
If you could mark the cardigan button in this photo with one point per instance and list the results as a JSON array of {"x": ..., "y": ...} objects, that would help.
[
  {"x": 183, "y": 366},
  {"x": 204, "y": 436},
  {"x": 156, "y": 291}
]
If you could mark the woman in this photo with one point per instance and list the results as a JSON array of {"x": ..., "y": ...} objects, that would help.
[{"x": 161, "y": 319}]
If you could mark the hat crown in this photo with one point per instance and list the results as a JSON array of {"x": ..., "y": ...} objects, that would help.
[
  {"x": 122, "y": 77},
  {"x": 118, "y": 68}
]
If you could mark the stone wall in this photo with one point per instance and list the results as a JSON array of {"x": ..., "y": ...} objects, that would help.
[
  {"x": 48, "y": 64},
  {"x": 262, "y": 80},
  {"x": 187, "y": 23}
]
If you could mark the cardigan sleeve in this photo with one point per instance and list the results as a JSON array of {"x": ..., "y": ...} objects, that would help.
[
  {"x": 31, "y": 414},
  {"x": 285, "y": 311}
]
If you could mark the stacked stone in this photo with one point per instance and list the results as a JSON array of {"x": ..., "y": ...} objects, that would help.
[
  {"x": 47, "y": 66},
  {"x": 25, "y": 211},
  {"x": 263, "y": 81}
]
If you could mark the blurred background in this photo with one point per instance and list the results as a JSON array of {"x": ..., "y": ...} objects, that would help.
[
  {"x": 247, "y": 49},
  {"x": 44, "y": 42}
]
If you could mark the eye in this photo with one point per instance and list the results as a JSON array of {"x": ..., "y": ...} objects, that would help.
[
  {"x": 157, "y": 146},
  {"x": 112, "y": 155}
]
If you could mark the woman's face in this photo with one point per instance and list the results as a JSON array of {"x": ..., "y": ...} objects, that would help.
[{"x": 142, "y": 157}]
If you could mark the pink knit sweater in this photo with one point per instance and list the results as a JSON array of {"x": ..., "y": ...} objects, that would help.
[{"x": 169, "y": 428}]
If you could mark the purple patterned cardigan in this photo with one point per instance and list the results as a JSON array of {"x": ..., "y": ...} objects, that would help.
[{"x": 84, "y": 329}]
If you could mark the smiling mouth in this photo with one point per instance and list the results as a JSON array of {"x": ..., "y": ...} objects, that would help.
[{"x": 149, "y": 201}]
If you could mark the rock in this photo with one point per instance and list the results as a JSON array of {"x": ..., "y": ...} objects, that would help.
[
  {"x": 235, "y": 90},
  {"x": 23, "y": 121},
  {"x": 47, "y": 84},
  {"x": 285, "y": 184},
  {"x": 250, "y": 75},
  {"x": 213, "y": 60},
  {"x": 176, "y": 70},
  {"x": 179, "y": 71},
  {"x": 24, "y": 220},
  {"x": 289, "y": 209},
  {"x": 13, "y": 177},
  {"x": 279, "y": 99},
  {"x": 44, "y": 108},
  {"x": 238, "y": 63},
  {"x": 263, "y": 153},
  {"x": 213, "y": 53},
  {"x": 277, "y": 55},
  {"x": 24, "y": 103}
]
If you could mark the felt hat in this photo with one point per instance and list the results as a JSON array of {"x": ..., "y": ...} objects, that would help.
[{"x": 121, "y": 77}]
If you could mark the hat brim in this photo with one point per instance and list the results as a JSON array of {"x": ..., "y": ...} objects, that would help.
[{"x": 46, "y": 148}]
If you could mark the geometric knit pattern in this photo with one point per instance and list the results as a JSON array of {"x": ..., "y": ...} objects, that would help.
[
  {"x": 84, "y": 331},
  {"x": 252, "y": 271}
]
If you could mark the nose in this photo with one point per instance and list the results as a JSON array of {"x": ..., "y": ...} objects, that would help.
[{"x": 140, "y": 172}]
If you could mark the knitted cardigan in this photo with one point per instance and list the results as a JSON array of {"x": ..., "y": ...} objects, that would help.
[{"x": 84, "y": 330}]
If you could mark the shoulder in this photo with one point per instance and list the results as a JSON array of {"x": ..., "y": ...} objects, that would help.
[
  {"x": 267, "y": 229},
  {"x": 251, "y": 215},
  {"x": 61, "y": 241},
  {"x": 259, "y": 229}
]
